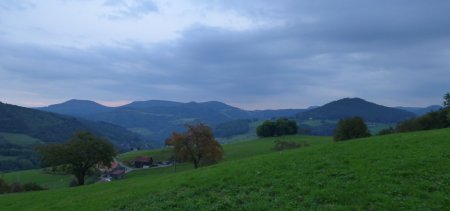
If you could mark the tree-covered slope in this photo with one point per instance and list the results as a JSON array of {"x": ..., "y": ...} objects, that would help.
[
  {"x": 80, "y": 108},
  {"x": 419, "y": 110},
  {"x": 157, "y": 119},
  {"x": 350, "y": 107},
  {"x": 407, "y": 171},
  {"x": 51, "y": 127}
]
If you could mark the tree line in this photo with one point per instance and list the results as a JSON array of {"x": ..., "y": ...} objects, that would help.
[
  {"x": 355, "y": 127},
  {"x": 279, "y": 127}
]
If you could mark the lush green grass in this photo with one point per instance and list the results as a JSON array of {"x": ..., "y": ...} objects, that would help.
[
  {"x": 156, "y": 154},
  {"x": 20, "y": 139},
  {"x": 232, "y": 151},
  {"x": 251, "y": 134},
  {"x": 408, "y": 171},
  {"x": 39, "y": 177},
  {"x": 261, "y": 146},
  {"x": 375, "y": 128},
  {"x": 235, "y": 150}
]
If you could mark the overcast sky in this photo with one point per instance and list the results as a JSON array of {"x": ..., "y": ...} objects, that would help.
[{"x": 252, "y": 54}]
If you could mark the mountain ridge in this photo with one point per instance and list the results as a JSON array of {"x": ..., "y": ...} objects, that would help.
[
  {"x": 159, "y": 118},
  {"x": 52, "y": 127},
  {"x": 349, "y": 107}
]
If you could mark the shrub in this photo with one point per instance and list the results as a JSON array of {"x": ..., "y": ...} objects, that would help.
[
  {"x": 73, "y": 183},
  {"x": 31, "y": 186},
  {"x": 432, "y": 120},
  {"x": 4, "y": 186},
  {"x": 386, "y": 131},
  {"x": 284, "y": 145},
  {"x": 280, "y": 127},
  {"x": 351, "y": 128},
  {"x": 17, "y": 187}
]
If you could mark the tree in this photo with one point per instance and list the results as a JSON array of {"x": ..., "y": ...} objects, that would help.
[
  {"x": 266, "y": 129},
  {"x": 286, "y": 127},
  {"x": 279, "y": 127},
  {"x": 80, "y": 154},
  {"x": 197, "y": 145},
  {"x": 351, "y": 128},
  {"x": 446, "y": 102}
]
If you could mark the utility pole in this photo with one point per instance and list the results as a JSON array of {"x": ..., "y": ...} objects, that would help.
[{"x": 175, "y": 162}]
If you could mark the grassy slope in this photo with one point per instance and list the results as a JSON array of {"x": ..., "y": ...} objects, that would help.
[
  {"x": 234, "y": 150},
  {"x": 38, "y": 176},
  {"x": 396, "y": 172}
]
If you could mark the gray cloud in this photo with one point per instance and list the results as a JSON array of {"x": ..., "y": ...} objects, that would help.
[
  {"x": 130, "y": 9},
  {"x": 389, "y": 53},
  {"x": 15, "y": 5}
]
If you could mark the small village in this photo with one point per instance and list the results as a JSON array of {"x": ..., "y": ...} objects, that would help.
[{"x": 118, "y": 169}]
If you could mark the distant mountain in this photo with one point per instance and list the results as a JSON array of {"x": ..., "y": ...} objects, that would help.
[
  {"x": 158, "y": 119},
  {"x": 151, "y": 103},
  {"x": 420, "y": 111},
  {"x": 79, "y": 108},
  {"x": 269, "y": 114},
  {"x": 51, "y": 127},
  {"x": 349, "y": 107}
]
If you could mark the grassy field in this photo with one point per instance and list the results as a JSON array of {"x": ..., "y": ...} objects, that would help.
[
  {"x": 251, "y": 134},
  {"x": 38, "y": 176},
  {"x": 234, "y": 150},
  {"x": 407, "y": 171}
]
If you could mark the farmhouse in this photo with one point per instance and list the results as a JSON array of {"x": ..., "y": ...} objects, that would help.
[
  {"x": 117, "y": 173},
  {"x": 141, "y": 161}
]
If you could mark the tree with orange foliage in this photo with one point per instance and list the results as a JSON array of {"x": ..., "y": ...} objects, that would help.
[{"x": 197, "y": 145}]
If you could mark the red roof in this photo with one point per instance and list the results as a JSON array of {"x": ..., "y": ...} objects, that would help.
[
  {"x": 142, "y": 159},
  {"x": 114, "y": 165},
  {"x": 117, "y": 172}
]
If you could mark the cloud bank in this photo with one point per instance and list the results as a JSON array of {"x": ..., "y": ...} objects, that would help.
[{"x": 252, "y": 54}]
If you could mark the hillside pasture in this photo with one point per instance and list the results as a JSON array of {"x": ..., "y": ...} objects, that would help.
[{"x": 407, "y": 171}]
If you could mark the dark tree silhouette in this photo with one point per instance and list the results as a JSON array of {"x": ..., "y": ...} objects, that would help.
[
  {"x": 80, "y": 153},
  {"x": 351, "y": 128}
]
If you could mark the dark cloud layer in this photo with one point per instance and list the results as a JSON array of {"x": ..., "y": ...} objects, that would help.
[{"x": 391, "y": 53}]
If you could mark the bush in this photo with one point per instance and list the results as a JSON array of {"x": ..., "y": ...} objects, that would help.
[
  {"x": 284, "y": 145},
  {"x": 32, "y": 187},
  {"x": 386, "y": 131},
  {"x": 433, "y": 120},
  {"x": 73, "y": 183},
  {"x": 17, "y": 187},
  {"x": 280, "y": 127},
  {"x": 4, "y": 186},
  {"x": 351, "y": 128}
]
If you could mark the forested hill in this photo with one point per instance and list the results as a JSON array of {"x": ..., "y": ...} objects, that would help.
[
  {"x": 80, "y": 108},
  {"x": 420, "y": 111},
  {"x": 157, "y": 119},
  {"x": 349, "y": 107},
  {"x": 51, "y": 127}
]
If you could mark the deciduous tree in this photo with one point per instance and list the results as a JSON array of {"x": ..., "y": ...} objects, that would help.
[
  {"x": 446, "y": 102},
  {"x": 351, "y": 128},
  {"x": 197, "y": 145},
  {"x": 80, "y": 153},
  {"x": 279, "y": 127}
]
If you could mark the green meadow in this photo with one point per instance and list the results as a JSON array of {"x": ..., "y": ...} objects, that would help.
[{"x": 407, "y": 171}]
